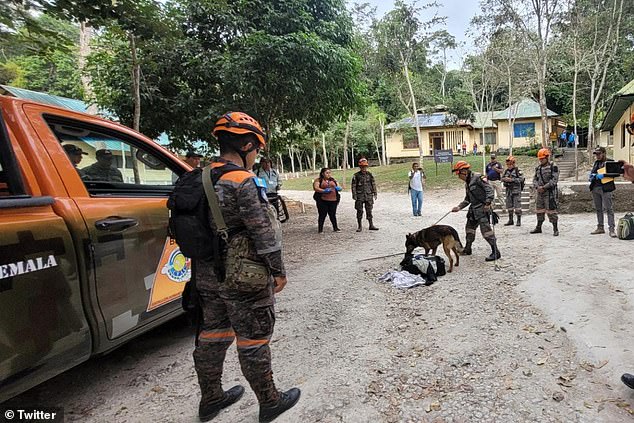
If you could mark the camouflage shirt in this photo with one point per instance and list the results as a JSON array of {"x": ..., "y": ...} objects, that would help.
[
  {"x": 98, "y": 172},
  {"x": 514, "y": 187},
  {"x": 363, "y": 186},
  {"x": 546, "y": 176},
  {"x": 246, "y": 212},
  {"x": 478, "y": 192}
]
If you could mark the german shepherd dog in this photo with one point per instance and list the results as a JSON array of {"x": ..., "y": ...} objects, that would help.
[{"x": 430, "y": 238}]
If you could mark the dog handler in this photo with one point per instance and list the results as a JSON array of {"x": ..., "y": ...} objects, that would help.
[{"x": 479, "y": 196}]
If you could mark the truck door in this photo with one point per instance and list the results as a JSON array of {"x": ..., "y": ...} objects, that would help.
[
  {"x": 43, "y": 330},
  {"x": 139, "y": 272}
]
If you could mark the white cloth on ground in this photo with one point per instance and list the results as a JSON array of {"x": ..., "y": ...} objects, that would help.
[{"x": 402, "y": 279}]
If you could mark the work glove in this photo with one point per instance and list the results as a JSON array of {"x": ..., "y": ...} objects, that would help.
[
  {"x": 599, "y": 176},
  {"x": 327, "y": 190},
  {"x": 591, "y": 177},
  {"x": 338, "y": 188}
]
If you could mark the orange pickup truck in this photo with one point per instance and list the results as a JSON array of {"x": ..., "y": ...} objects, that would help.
[{"x": 85, "y": 260}]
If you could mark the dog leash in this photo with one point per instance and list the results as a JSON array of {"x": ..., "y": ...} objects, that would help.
[{"x": 446, "y": 214}]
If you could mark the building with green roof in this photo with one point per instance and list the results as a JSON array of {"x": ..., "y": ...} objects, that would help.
[{"x": 617, "y": 128}]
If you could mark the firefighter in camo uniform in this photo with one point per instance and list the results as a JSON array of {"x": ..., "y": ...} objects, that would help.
[
  {"x": 545, "y": 183},
  {"x": 364, "y": 194},
  {"x": 237, "y": 299},
  {"x": 512, "y": 178},
  {"x": 479, "y": 195}
]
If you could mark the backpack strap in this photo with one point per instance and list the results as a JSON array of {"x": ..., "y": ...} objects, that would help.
[{"x": 214, "y": 204}]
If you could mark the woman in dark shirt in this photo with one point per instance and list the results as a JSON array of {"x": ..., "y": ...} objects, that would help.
[{"x": 327, "y": 198}]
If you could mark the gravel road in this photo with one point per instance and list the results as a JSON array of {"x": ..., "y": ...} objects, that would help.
[{"x": 544, "y": 339}]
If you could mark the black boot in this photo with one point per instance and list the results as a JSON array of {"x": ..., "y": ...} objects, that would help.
[
  {"x": 372, "y": 227},
  {"x": 555, "y": 229},
  {"x": 495, "y": 253},
  {"x": 519, "y": 220},
  {"x": 359, "y": 229},
  {"x": 628, "y": 380},
  {"x": 538, "y": 228},
  {"x": 287, "y": 400},
  {"x": 208, "y": 411},
  {"x": 510, "y": 222},
  {"x": 466, "y": 251}
]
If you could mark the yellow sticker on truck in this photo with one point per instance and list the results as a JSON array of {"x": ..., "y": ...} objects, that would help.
[{"x": 172, "y": 272}]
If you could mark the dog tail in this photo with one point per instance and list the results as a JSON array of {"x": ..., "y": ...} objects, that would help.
[{"x": 454, "y": 233}]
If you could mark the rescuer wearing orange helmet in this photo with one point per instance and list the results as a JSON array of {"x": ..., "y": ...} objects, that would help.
[
  {"x": 364, "y": 194},
  {"x": 545, "y": 183},
  {"x": 513, "y": 182},
  {"x": 236, "y": 290},
  {"x": 479, "y": 196}
]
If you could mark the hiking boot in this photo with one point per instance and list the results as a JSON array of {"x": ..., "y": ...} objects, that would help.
[
  {"x": 495, "y": 255},
  {"x": 510, "y": 222},
  {"x": 466, "y": 251},
  {"x": 372, "y": 227},
  {"x": 538, "y": 229},
  {"x": 519, "y": 220},
  {"x": 360, "y": 228},
  {"x": 287, "y": 400},
  {"x": 555, "y": 229},
  {"x": 207, "y": 412},
  {"x": 628, "y": 380},
  {"x": 598, "y": 231},
  {"x": 612, "y": 233},
  {"x": 337, "y": 230}
]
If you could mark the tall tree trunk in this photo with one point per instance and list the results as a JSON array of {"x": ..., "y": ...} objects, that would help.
[
  {"x": 136, "y": 92},
  {"x": 280, "y": 160},
  {"x": 291, "y": 156},
  {"x": 511, "y": 114},
  {"x": 323, "y": 149},
  {"x": 376, "y": 145},
  {"x": 85, "y": 37},
  {"x": 383, "y": 143},
  {"x": 421, "y": 151},
  {"x": 542, "y": 105},
  {"x": 345, "y": 146},
  {"x": 299, "y": 159},
  {"x": 352, "y": 156},
  {"x": 314, "y": 157}
]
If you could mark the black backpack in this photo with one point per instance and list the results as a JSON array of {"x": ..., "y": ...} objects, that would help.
[{"x": 189, "y": 219}]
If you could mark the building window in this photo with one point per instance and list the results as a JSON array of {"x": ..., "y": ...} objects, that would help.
[
  {"x": 490, "y": 138},
  {"x": 524, "y": 130},
  {"x": 410, "y": 140}
]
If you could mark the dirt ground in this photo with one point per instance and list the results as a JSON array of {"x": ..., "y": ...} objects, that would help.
[{"x": 545, "y": 339}]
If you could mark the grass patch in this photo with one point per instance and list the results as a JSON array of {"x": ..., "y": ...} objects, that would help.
[{"x": 393, "y": 178}]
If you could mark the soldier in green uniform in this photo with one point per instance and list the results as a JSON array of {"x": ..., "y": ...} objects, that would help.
[
  {"x": 479, "y": 195},
  {"x": 545, "y": 183},
  {"x": 102, "y": 170},
  {"x": 237, "y": 299},
  {"x": 364, "y": 194},
  {"x": 513, "y": 179}
]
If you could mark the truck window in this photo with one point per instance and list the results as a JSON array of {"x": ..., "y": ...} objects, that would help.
[
  {"x": 110, "y": 164},
  {"x": 11, "y": 183}
]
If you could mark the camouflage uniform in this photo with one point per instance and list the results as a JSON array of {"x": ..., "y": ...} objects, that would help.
[
  {"x": 363, "y": 192},
  {"x": 478, "y": 193},
  {"x": 547, "y": 177},
  {"x": 238, "y": 304},
  {"x": 513, "y": 190},
  {"x": 99, "y": 172}
]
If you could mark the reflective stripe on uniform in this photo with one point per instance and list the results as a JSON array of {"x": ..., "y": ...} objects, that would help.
[
  {"x": 246, "y": 343},
  {"x": 217, "y": 335}
]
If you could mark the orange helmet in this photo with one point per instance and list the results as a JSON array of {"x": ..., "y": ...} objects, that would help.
[
  {"x": 240, "y": 123},
  {"x": 363, "y": 162},
  {"x": 510, "y": 159},
  {"x": 543, "y": 153},
  {"x": 461, "y": 165}
]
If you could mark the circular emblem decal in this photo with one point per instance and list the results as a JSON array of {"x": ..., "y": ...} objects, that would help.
[{"x": 178, "y": 267}]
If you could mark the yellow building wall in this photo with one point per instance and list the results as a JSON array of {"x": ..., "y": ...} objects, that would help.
[
  {"x": 621, "y": 136},
  {"x": 394, "y": 141},
  {"x": 503, "y": 133}
]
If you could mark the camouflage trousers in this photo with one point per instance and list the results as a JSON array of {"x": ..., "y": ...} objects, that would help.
[
  {"x": 485, "y": 229},
  {"x": 369, "y": 205},
  {"x": 546, "y": 204},
  {"x": 514, "y": 202},
  {"x": 229, "y": 314}
]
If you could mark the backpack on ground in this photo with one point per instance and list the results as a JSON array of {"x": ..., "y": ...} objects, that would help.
[
  {"x": 429, "y": 267},
  {"x": 625, "y": 227}
]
